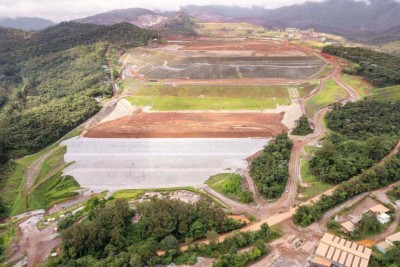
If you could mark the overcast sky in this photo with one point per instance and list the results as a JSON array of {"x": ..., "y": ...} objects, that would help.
[{"x": 61, "y": 10}]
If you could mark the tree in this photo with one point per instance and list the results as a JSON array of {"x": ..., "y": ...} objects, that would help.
[
  {"x": 212, "y": 236},
  {"x": 169, "y": 243},
  {"x": 302, "y": 126}
]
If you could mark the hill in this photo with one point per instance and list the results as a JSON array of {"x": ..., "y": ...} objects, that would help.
[
  {"x": 138, "y": 16},
  {"x": 168, "y": 22},
  {"x": 180, "y": 23},
  {"x": 26, "y": 23},
  {"x": 377, "y": 22},
  {"x": 63, "y": 71}
]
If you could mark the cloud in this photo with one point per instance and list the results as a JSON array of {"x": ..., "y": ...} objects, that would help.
[{"x": 62, "y": 10}]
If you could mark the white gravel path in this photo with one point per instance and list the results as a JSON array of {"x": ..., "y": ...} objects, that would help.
[{"x": 115, "y": 164}]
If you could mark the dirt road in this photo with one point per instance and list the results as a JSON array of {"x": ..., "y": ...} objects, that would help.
[
  {"x": 34, "y": 244},
  {"x": 33, "y": 170},
  {"x": 300, "y": 142}
]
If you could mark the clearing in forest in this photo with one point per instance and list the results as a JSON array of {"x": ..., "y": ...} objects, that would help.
[{"x": 331, "y": 93}]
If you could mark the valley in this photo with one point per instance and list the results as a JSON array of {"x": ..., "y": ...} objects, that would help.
[{"x": 216, "y": 146}]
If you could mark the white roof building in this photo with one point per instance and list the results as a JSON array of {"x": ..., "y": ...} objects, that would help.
[{"x": 383, "y": 218}]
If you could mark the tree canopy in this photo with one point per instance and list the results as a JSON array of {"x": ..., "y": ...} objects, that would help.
[
  {"x": 270, "y": 170},
  {"x": 380, "y": 69}
]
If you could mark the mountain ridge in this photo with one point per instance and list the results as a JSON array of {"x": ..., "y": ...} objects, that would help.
[{"x": 26, "y": 23}]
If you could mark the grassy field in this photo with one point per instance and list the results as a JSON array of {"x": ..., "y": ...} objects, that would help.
[
  {"x": 230, "y": 184},
  {"x": 391, "y": 93},
  {"x": 307, "y": 87},
  {"x": 13, "y": 193},
  {"x": 129, "y": 194},
  {"x": 330, "y": 94},
  {"x": 208, "y": 97},
  {"x": 315, "y": 186},
  {"x": 310, "y": 150},
  {"x": 12, "y": 188},
  {"x": 226, "y": 91},
  {"x": 53, "y": 190},
  {"x": 54, "y": 162},
  {"x": 312, "y": 44},
  {"x": 325, "y": 71},
  {"x": 386, "y": 94},
  {"x": 231, "y": 30},
  {"x": 186, "y": 103},
  {"x": 357, "y": 83}
]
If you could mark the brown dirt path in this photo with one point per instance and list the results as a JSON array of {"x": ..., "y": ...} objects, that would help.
[{"x": 33, "y": 170}]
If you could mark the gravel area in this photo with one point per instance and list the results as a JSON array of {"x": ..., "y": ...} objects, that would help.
[{"x": 115, "y": 164}]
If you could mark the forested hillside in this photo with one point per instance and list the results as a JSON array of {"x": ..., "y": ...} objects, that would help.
[
  {"x": 379, "y": 69},
  {"x": 364, "y": 133},
  {"x": 49, "y": 80},
  {"x": 110, "y": 237}
]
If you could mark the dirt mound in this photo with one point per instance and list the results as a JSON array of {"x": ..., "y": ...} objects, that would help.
[{"x": 190, "y": 125}]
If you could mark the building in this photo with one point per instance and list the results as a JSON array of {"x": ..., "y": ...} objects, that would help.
[
  {"x": 393, "y": 238},
  {"x": 389, "y": 241},
  {"x": 335, "y": 251},
  {"x": 383, "y": 246},
  {"x": 348, "y": 226},
  {"x": 380, "y": 212},
  {"x": 383, "y": 218},
  {"x": 378, "y": 209}
]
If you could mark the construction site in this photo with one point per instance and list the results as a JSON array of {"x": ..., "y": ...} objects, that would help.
[{"x": 188, "y": 110}]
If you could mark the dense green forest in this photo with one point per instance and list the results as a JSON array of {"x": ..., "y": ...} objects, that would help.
[
  {"x": 116, "y": 235},
  {"x": 371, "y": 179},
  {"x": 364, "y": 133},
  {"x": 270, "y": 171},
  {"x": 49, "y": 80},
  {"x": 302, "y": 127},
  {"x": 380, "y": 69}
]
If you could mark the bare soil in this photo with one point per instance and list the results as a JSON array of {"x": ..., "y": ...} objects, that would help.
[{"x": 190, "y": 125}]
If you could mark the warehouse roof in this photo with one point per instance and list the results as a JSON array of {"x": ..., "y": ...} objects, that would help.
[{"x": 343, "y": 251}]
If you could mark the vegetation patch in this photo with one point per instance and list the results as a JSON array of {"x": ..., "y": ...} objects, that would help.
[
  {"x": 306, "y": 88},
  {"x": 378, "y": 68},
  {"x": 331, "y": 93},
  {"x": 391, "y": 94},
  {"x": 52, "y": 79},
  {"x": 208, "y": 97},
  {"x": 363, "y": 133},
  {"x": 394, "y": 194},
  {"x": 55, "y": 189},
  {"x": 390, "y": 258},
  {"x": 302, "y": 127},
  {"x": 230, "y": 30},
  {"x": 191, "y": 103},
  {"x": 367, "y": 227},
  {"x": 328, "y": 68},
  {"x": 108, "y": 235},
  {"x": 270, "y": 171},
  {"x": 129, "y": 194},
  {"x": 231, "y": 185},
  {"x": 314, "y": 185},
  {"x": 374, "y": 178},
  {"x": 358, "y": 84}
]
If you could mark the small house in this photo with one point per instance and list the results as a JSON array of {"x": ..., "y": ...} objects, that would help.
[
  {"x": 348, "y": 227},
  {"x": 383, "y": 218}
]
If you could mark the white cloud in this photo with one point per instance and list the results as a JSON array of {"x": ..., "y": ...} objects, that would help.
[{"x": 60, "y": 10}]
